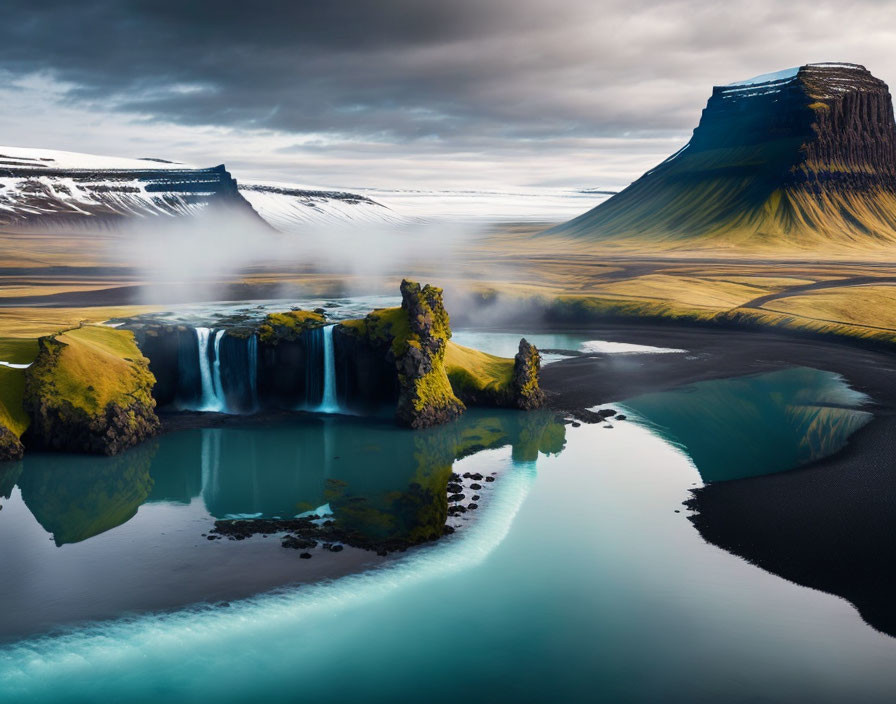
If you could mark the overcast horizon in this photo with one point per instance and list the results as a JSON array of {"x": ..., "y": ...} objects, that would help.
[{"x": 404, "y": 93}]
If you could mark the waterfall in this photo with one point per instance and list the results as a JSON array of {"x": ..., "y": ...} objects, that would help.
[
  {"x": 253, "y": 370},
  {"x": 329, "y": 403},
  {"x": 216, "y": 369},
  {"x": 207, "y": 401},
  {"x": 210, "y": 374}
]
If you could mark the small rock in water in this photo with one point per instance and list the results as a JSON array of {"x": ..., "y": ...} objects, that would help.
[
  {"x": 475, "y": 487},
  {"x": 489, "y": 479},
  {"x": 335, "y": 548},
  {"x": 456, "y": 497},
  {"x": 475, "y": 497},
  {"x": 473, "y": 506},
  {"x": 298, "y": 543},
  {"x": 576, "y": 424},
  {"x": 455, "y": 488},
  {"x": 477, "y": 477},
  {"x": 305, "y": 555},
  {"x": 621, "y": 417}
]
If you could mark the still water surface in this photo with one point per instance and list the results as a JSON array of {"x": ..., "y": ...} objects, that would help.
[{"x": 580, "y": 579}]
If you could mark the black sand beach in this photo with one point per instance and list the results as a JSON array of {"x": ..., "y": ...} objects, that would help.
[{"x": 824, "y": 525}]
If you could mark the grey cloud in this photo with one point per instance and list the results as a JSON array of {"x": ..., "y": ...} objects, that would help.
[{"x": 498, "y": 77}]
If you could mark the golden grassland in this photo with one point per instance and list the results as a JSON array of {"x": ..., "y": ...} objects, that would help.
[
  {"x": 96, "y": 366},
  {"x": 634, "y": 280},
  {"x": 863, "y": 306},
  {"x": 477, "y": 371},
  {"x": 33, "y": 322}
]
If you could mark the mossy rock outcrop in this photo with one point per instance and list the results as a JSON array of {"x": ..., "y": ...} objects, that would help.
[
  {"x": 11, "y": 447},
  {"x": 525, "y": 391},
  {"x": 414, "y": 338},
  {"x": 289, "y": 326},
  {"x": 90, "y": 390}
]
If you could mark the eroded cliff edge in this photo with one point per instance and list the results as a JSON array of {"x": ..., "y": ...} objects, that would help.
[{"x": 89, "y": 390}]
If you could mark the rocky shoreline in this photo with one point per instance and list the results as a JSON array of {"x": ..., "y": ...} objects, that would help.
[{"x": 320, "y": 532}]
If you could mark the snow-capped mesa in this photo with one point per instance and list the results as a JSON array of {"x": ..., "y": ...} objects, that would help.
[
  {"x": 290, "y": 207},
  {"x": 47, "y": 188},
  {"x": 43, "y": 188}
]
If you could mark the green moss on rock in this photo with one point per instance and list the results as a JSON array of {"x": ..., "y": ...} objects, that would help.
[
  {"x": 11, "y": 447},
  {"x": 288, "y": 326},
  {"x": 90, "y": 390},
  {"x": 525, "y": 390},
  {"x": 415, "y": 337}
]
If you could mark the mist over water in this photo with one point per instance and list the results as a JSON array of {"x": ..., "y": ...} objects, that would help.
[{"x": 202, "y": 254}]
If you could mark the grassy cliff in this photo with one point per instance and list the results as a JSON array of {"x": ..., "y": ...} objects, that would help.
[
  {"x": 477, "y": 377},
  {"x": 13, "y": 419},
  {"x": 90, "y": 390}
]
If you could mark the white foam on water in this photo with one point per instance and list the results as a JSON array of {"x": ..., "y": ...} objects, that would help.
[{"x": 187, "y": 653}]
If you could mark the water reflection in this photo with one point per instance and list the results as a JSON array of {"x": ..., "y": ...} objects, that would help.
[
  {"x": 754, "y": 425},
  {"x": 9, "y": 475},
  {"x": 382, "y": 481},
  {"x": 77, "y": 497}
]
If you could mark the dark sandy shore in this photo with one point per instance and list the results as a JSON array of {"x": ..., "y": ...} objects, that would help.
[{"x": 830, "y": 525}]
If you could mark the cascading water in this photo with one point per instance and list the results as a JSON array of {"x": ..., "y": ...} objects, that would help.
[
  {"x": 329, "y": 403},
  {"x": 216, "y": 370},
  {"x": 205, "y": 373},
  {"x": 253, "y": 369},
  {"x": 210, "y": 374}
]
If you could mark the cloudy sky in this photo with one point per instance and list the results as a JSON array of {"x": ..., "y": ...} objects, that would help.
[{"x": 405, "y": 93}]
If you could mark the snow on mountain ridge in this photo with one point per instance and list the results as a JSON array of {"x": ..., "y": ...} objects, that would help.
[
  {"x": 58, "y": 159},
  {"x": 289, "y": 207}
]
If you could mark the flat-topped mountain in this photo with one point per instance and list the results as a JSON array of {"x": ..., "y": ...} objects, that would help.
[
  {"x": 41, "y": 188},
  {"x": 802, "y": 157}
]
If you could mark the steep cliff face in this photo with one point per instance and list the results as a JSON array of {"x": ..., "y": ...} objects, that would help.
[
  {"x": 413, "y": 339},
  {"x": 10, "y": 446},
  {"x": 801, "y": 158},
  {"x": 41, "y": 188}
]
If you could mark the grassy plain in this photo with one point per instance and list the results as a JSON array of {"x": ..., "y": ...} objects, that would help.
[{"x": 833, "y": 291}]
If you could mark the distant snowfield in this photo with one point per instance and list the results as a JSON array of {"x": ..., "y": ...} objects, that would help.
[
  {"x": 511, "y": 205},
  {"x": 26, "y": 195},
  {"x": 290, "y": 206},
  {"x": 55, "y": 159},
  {"x": 304, "y": 203}
]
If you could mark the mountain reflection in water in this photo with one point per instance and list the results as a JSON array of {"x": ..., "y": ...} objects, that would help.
[{"x": 753, "y": 425}]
